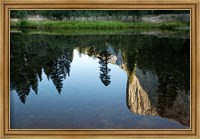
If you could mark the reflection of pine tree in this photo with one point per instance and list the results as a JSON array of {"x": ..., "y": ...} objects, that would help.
[
  {"x": 23, "y": 75},
  {"x": 22, "y": 96},
  {"x": 23, "y": 87},
  {"x": 103, "y": 61},
  {"x": 57, "y": 78},
  {"x": 58, "y": 69},
  {"x": 27, "y": 79},
  {"x": 24, "y": 82}
]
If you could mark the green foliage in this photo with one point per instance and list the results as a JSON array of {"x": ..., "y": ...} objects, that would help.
[
  {"x": 21, "y": 14},
  {"x": 170, "y": 25},
  {"x": 96, "y": 25},
  {"x": 61, "y": 14},
  {"x": 24, "y": 24}
]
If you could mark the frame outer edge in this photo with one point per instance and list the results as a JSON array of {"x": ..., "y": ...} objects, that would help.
[
  {"x": 197, "y": 70},
  {"x": 102, "y": 1},
  {"x": 1, "y": 69}
]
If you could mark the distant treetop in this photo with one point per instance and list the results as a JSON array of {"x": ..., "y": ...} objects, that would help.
[{"x": 61, "y": 14}]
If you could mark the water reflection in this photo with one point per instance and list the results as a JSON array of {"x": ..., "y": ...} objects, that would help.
[
  {"x": 158, "y": 69},
  {"x": 104, "y": 70}
]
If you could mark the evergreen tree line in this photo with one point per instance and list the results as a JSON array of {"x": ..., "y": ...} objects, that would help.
[{"x": 65, "y": 14}]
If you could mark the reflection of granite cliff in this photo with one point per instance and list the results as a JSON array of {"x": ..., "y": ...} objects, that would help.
[
  {"x": 147, "y": 96},
  {"x": 137, "y": 98},
  {"x": 139, "y": 86},
  {"x": 144, "y": 99}
]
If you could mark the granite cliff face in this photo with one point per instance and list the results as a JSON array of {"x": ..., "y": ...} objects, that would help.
[{"x": 137, "y": 98}]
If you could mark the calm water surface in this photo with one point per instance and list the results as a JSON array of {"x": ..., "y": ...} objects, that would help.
[{"x": 132, "y": 80}]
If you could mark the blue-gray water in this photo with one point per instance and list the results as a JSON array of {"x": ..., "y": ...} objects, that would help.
[{"x": 99, "y": 81}]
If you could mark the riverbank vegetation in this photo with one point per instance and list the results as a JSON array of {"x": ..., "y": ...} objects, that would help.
[
  {"x": 99, "y": 19},
  {"x": 95, "y": 24}
]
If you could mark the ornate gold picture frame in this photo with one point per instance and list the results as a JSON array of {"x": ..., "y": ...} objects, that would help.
[{"x": 6, "y": 5}]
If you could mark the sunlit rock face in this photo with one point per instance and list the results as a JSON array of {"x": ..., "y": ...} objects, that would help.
[{"x": 138, "y": 100}]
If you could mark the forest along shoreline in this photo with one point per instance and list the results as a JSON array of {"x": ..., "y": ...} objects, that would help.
[{"x": 160, "y": 21}]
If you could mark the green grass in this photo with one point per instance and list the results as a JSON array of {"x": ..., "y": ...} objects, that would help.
[{"x": 95, "y": 24}]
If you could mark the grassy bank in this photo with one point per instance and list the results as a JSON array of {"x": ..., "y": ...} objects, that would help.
[{"x": 94, "y": 24}]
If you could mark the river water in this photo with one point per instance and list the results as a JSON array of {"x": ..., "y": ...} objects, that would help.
[{"x": 134, "y": 80}]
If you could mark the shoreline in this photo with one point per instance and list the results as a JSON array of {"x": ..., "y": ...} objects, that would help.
[{"x": 182, "y": 34}]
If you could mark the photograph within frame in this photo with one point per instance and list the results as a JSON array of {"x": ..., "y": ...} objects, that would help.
[
  {"x": 6, "y": 6},
  {"x": 87, "y": 45}
]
